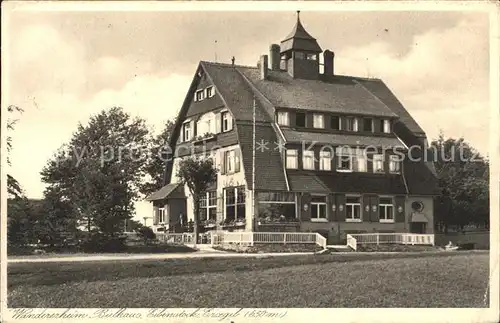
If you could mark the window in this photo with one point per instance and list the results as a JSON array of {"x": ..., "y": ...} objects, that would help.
[
  {"x": 199, "y": 95},
  {"x": 227, "y": 121},
  {"x": 318, "y": 121},
  {"x": 325, "y": 160},
  {"x": 386, "y": 209},
  {"x": 277, "y": 206},
  {"x": 353, "y": 209},
  {"x": 231, "y": 161},
  {"x": 210, "y": 91},
  {"x": 318, "y": 208},
  {"x": 311, "y": 57},
  {"x": 394, "y": 164},
  {"x": 308, "y": 159},
  {"x": 368, "y": 124},
  {"x": 292, "y": 158},
  {"x": 385, "y": 126},
  {"x": 378, "y": 163},
  {"x": 235, "y": 203},
  {"x": 351, "y": 124},
  {"x": 335, "y": 122},
  {"x": 283, "y": 118},
  {"x": 300, "y": 119},
  {"x": 205, "y": 125},
  {"x": 359, "y": 160},
  {"x": 208, "y": 206},
  {"x": 344, "y": 162},
  {"x": 300, "y": 55},
  {"x": 186, "y": 130},
  {"x": 161, "y": 215}
]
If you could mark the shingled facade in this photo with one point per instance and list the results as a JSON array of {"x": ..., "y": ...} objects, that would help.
[{"x": 331, "y": 150}]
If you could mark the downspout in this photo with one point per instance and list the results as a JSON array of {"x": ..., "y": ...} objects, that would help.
[{"x": 406, "y": 187}]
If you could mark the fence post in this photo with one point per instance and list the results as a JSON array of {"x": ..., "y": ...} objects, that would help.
[
  {"x": 284, "y": 238},
  {"x": 378, "y": 239}
]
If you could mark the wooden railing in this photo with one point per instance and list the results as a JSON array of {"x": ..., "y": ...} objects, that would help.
[
  {"x": 387, "y": 238},
  {"x": 251, "y": 238}
]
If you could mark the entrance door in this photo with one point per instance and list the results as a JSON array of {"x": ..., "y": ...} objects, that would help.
[{"x": 418, "y": 227}]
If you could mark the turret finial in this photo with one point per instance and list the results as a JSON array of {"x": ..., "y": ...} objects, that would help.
[{"x": 298, "y": 15}]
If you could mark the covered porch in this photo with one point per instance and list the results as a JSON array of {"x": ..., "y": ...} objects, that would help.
[{"x": 169, "y": 208}]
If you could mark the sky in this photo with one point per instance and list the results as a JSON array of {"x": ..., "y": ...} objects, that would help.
[{"x": 66, "y": 65}]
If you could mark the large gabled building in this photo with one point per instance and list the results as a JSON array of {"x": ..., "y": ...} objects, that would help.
[{"x": 331, "y": 150}]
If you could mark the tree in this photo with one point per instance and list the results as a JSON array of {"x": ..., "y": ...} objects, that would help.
[
  {"x": 13, "y": 187},
  {"x": 197, "y": 174},
  {"x": 463, "y": 176},
  {"x": 100, "y": 170},
  {"x": 155, "y": 165}
]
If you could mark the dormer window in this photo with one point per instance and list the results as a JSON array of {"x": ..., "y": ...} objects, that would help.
[
  {"x": 351, "y": 124},
  {"x": 335, "y": 122},
  {"x": 300, "y": 119},
  {"x": 368, "y": 124},
  {"x": 199, "y": 95},
  {"x": 385, "y": 126},
  {"x": 210, "y": 91},
  {"x": 283, "y": 118},
  {"x": 318, "y": 121}
]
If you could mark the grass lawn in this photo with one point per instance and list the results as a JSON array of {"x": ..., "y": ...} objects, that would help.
[{"x": 437, "y": 280}]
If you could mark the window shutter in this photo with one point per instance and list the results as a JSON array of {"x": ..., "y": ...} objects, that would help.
[
  {"x": 230, "y": 122},
  {"x": 155, "y": 215},
  {"x": 237, "y": 160},
  {"x": 377, "y": 125},
  {"x": 223, "y": 162},
  {"x": 218, "y": 124},
  {"x": 399, "y": 202},
  {"x": 374, "y": 215},
  {"x": 332, "y": 215},
  {"x": 365, "y": 213},
  {"x": 305, "y": 215},
  {"x": 193, "y": 133},
  {"x": 340, "y": 199}
]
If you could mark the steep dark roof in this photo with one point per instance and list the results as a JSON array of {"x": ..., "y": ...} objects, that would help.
[
  {"x": 166, "y": 192},
  {"x": 341, "y": 95},
  {"x": 379, "y": 89},
  {"x": 269, "y": 170},
  {"x": 308, "y": 183},
  {"x": 364, "y": 183},
  {"x": 343, "y": 139}
]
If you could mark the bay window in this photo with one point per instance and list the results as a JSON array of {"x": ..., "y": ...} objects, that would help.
[
  {"x": 234, "y": 198},
  {"x": 277, "y": 206}
]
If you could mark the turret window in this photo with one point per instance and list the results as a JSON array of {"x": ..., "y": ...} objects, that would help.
[
  {"x": 311, "y": 57},
  {"x": 300, "y": 55}
]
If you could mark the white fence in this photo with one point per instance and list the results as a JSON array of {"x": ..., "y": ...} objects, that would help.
[
  {"x": 245, "y": 238},
  {"x": 386, "y": 238}
]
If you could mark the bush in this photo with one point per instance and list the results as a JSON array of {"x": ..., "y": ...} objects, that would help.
[
  {"x": 104, "y": 243},
  {"x": 146, "y": 233}
]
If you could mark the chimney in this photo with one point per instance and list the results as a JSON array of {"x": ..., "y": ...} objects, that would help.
[
  {"x": 263, "y": 67},
  {"x": 274, "y": 56},
  {"x": 328, "y": 57}
]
